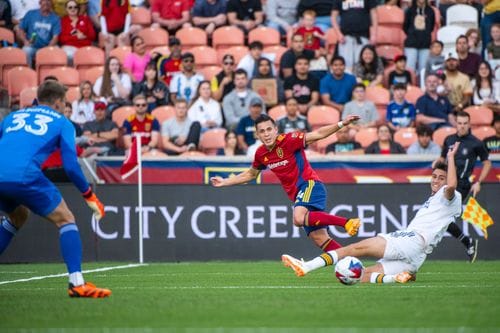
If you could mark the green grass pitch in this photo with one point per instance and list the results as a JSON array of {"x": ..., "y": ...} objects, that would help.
[{"x": 251, "y": 297}]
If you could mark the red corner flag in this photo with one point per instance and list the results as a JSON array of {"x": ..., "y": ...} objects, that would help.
[{"x": 130, "y": 164}]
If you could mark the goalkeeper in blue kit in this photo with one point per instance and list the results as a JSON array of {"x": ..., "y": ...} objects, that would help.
[{"x": 27, "y": 138}]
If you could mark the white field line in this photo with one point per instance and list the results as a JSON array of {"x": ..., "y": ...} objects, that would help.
[{"x": 102, "y": 269}]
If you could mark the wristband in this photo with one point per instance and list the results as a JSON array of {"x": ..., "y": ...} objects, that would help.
[{"x": 340, "y": 124}]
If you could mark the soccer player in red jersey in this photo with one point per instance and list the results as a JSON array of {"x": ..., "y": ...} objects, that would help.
[{"x": 284, "y": 155}]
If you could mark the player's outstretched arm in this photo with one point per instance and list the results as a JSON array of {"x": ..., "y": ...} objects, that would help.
[
  {"x": 328, "y": 130},
  {"x": 240, "y": 178},
  {"x": 451, "y": 176}
]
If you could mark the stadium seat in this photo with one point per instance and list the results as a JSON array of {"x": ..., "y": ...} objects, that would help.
[
  {"x": 482, "y": 132},
  {"x": 10, "y": 57},
  {"x": 462, "y": 15},
  {"x": 140, "y": 16},
  {"x": 277, "y": 112},
  {"x": 441, "y": 133},
  {"x": 390, "y": 16},
  {"x": 72, "y": 94},
  {"x": 119, "y": 115},
  {"x": 265, "y": 35},
  {"x": 20, "y": 78},
  {"x": 437, "y": 22},
  {"x": 405, "y": 136},
  {"x": 238, "y": 52},
  {"x": 92, "y": 74},
  {"x": 210, "y": 71},
  {"x": 382, "y": 35},
  {"x": 204, "y": 56},
  {"x": 365, "y": 136},
  {"x": 65, "y": 75},
  {"x": 321, "y": 115},
  {"x": 212, "y": 140},
  {"x": 278, "y": 51},
  {"x": 227, "y": 36},
  {"x": 163, "y": 50},
  {"x": 448, "y": 35},
  {"x": 88, "y": 57},
  {"x": 120, "y": 52},
  {"x": 479, "y": 115},
  {"x": 154, "y": 37},
  {"x": 7, "y": 35},
  {"x": 163, "y": 113},
  {"x": 413, "y": 93},
  {"x": 191, "y": 37},
  {"x": 331, "y": 41},
  {"x": 48, "y": 58},
  {"x": 378, "y": 95},
  {"x": 27, "y": 96}
]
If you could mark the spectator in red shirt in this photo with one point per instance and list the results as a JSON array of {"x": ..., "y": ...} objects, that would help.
[
  {"x": 76, "y": 30},
  {"x": 142, "y": 123},
  {"x": 171, "y": 14},
  {"x": 115, "y": 24},
  {"x": 312, "y": 34},
  {"x": 170, "y": 65}
]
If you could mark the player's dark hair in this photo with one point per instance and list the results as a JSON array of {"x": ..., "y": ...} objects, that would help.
[
  {"x": 424, "y": 130},
  {"x": 263, "y": 118},
  {"x": 463, "y": 114},
  {"x": 440, "y": 166},
  {"x": 50, "y": 91}
]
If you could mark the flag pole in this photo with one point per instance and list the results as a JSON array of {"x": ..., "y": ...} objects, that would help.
[{"x": 139, "y": 194}]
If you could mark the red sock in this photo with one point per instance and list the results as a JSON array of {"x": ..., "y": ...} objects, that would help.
[
  {"x": 319, "y": 219},
  {"x": 330, "y": 245}
]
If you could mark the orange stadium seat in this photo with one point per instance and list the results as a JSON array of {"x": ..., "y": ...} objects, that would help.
[
  {"x": 65, "y": 75},
  {"x": 265, "y": 35},
  {"x": 277, "y": 112},
  {"x": 120, "y": 52},
  {"x": 390, "y": 16},
  {"x": 140, "y": 16},
  {"x": 191, "y": 37},
  {"x": 204, "y": 56},
  {"x": 413, "y": 93},
  {"x": 92, "y": 74},
  {"x": 7, "y": 35},
  {"x": 383, "y": 35},
  {"x": 479, "y": 115},
  {"x": 227, "y": 36},
  {"x": 378, "y": 95},
  {"x": 238, "y": 52},
  {"x": 210, "y": 71},
  {"x": 20, "y": 78},
  {"x": 278, "y": 51},
  {"x": 482, "y": 132},
  {"x": 212, "y": 140},
  {"x": 154, "y": 37},
  {"x": 321, "y": 115},
  {"x": 88, "y": 57},
  {"x": 405, "y": 136},
  {"x": 48, "y": 58},
  {"x": 72, "y": 94},
  {"x": 119, "y": 115},
  {"x": 163, "y": 50},
  {"x": 163, "y": 113},
  {"x": 365, "y": 136},
  {"x": 441, "y": 133},
  {"x": 10, "y": 57},
  {"x": 26, "y": 96}
]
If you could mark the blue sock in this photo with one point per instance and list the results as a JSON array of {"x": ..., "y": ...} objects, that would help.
[
  {"x": 71, "y": 247},
  {"x": 7, "y": 231}
]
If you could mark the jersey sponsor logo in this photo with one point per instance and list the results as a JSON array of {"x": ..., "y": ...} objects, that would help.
[
  {"x": 279, "y": 151},
  {"x": 278, "y": 164}
]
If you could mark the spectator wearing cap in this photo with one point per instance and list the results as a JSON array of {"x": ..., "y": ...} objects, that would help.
[
  {"x": 468, "y": 62},
  {"x": 493, "y": 142},
  {"x": 83, "y": 107},
  {"x": 223, "y": 83},
  {"x": 101, "y": 133},
  {"x": 170, "y": 14},
  {"x": 209, "y": 14},
  {"x": 170, "y": 65},
  {"x": 249, "y": 61},
  {"x": 237, "y": 103},
  {"x": 433, "y": 109},
  {"x": 400, "y": 74},
  {"x": 185, "y": 83},
  {"x": 400, "y": 112},
  {"x": 245, "y": 14},
  {"x": 424, "y": 143},
  {"x": 457, "y": 83},
  {"x": 245, "y": 130}
]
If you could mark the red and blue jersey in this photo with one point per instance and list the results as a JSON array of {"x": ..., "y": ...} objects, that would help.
[{"x": 288, "y": 161}]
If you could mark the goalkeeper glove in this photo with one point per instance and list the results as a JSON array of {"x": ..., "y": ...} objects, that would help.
[{"x": 94, "y": 204}]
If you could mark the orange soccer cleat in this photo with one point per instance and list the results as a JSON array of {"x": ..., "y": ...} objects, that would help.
[
  {"x": 88, "y": 290},
  {"x": 352, "y": 226}
]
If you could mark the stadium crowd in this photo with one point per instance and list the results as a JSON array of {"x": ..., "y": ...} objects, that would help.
[{"x": 192, "y": 76}]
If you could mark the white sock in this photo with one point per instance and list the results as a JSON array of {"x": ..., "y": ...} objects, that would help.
[
  {"x": 325, "y": 259},
  {"x": 76, "y": 279},
  {"x": 375, "y": 278},
  {"x": 334, "y": 255}
]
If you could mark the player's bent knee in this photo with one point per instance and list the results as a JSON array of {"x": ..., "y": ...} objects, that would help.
[
  {"x": 19, "y": 216},
  {"x": 61, "y": 215}
]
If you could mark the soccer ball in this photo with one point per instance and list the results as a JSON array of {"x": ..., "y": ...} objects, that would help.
[{"x": 349, "y": 270}]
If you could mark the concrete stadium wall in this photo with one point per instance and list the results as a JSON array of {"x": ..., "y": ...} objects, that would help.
[{"x": 252, "y": 222}]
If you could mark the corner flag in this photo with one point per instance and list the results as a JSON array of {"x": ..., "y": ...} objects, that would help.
[
  {"x": 476, "y": 215},
  {"x": 131, "y": 163}
]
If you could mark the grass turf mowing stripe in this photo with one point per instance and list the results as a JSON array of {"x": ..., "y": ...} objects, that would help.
[{"x": 103, "y": 269}]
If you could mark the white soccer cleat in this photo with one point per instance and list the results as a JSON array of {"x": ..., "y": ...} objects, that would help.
[{"x": 297, "y": 265}]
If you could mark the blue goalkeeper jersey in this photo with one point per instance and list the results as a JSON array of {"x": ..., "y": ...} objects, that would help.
[{"x": 28, "y": 137}]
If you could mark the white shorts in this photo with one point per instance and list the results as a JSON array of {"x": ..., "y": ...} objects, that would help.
[{"x": 404, "y": 252}]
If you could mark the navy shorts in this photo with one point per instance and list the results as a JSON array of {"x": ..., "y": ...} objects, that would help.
[
  {"x": 311, "y": 195},
  {"x": 41, "y": 196}
]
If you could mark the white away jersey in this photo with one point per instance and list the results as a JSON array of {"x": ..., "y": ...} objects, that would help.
[{"x": 434, "y": 216}]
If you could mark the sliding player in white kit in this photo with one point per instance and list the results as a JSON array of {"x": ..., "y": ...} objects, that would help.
[{"x": 401, "y": 253}]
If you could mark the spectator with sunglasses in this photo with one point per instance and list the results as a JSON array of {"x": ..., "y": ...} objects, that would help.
[
  {"x": 185, "y": 83},
  {"x": 223, "y": 83},
  {"x": 142, "y": 123}
]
